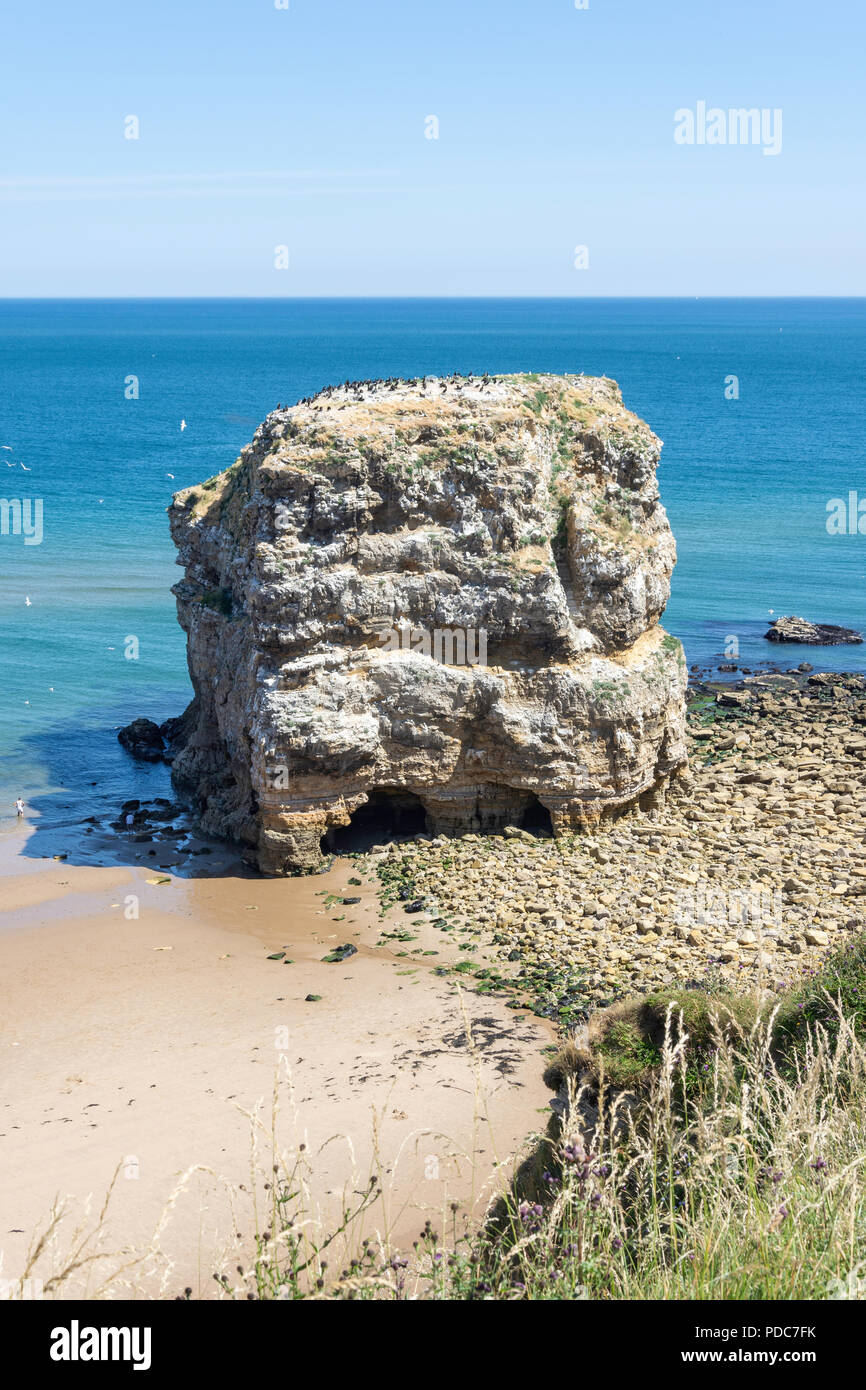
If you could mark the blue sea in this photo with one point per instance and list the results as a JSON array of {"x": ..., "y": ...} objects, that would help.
[{"x": 746, "y": 480}]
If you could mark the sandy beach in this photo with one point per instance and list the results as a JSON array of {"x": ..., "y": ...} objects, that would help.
[{"x": 137, "y": 1049}]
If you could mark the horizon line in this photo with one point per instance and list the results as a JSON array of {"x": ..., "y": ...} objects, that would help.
[{"x": 397, "y": 298}]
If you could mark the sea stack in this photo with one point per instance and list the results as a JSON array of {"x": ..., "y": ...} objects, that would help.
[{"x": 439, "y": 600}]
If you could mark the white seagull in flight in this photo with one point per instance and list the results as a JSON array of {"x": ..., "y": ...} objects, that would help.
[{"x": 183, "y": 424}]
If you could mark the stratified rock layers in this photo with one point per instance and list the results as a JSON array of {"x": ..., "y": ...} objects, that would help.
[{"x": 336, "y": 571}]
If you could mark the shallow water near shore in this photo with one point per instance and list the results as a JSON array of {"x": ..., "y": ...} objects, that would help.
[{"x": 746, "y": 482}]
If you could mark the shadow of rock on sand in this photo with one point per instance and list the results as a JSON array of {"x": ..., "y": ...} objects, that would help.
[
  {"x": 89, "y": 787},
  {"x": 500, "y": 1045},
  {"x": 504, "y": 1050}
]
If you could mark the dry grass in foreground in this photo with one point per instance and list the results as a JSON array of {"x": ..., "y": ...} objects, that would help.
[{"x": 709, "y": 1146}]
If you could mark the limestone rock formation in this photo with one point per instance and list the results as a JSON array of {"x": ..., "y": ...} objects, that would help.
[
  {"x": 795, "y": 629},
  {"x": 439, "y": 599}
]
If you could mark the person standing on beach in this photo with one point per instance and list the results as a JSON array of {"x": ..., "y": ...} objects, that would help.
[{"x": 19, "y": 807}]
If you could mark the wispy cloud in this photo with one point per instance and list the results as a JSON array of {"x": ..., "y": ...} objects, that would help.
[{"x": 236, "y": 183}]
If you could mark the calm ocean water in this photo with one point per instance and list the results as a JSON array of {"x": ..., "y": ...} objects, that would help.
[{"x": 746, "y": 481}]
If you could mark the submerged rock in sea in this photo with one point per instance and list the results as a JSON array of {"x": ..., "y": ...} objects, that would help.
[
  {"x": 157, "y": 743},
  {"x": 813, "y": 634},
  {"x": 435, "y": 603},
  {"x": 143, "y": 740}
]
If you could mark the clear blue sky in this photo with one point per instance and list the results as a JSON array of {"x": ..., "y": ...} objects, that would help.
[{"x": 306, "y": 127}]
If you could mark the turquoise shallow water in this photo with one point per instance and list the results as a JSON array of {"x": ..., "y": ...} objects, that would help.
[{"x": 746, "y": 482}]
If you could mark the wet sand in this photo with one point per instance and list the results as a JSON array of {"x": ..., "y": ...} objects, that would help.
[{"x": 143, "y": 1046}]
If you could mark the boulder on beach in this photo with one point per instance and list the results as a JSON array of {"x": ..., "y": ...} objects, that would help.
[
  {"x": 795, "y": 629},
  {"x": 434, "y": 604}
]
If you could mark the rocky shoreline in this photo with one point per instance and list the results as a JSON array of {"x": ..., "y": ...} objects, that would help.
[
  {"x": 750, "y": 872},
  {"x": 159, "y": 830}
]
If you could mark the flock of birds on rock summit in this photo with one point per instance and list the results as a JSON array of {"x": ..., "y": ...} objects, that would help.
[{"x": 393, "y": 383}]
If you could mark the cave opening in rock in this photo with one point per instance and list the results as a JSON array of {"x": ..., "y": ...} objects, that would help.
[
  {"x": 535, "y": 818},
  {"x": 388, "y": 814}
]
